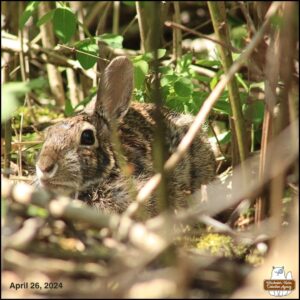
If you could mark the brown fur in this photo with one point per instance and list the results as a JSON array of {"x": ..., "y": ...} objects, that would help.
[{"x": 93, "y": 171}]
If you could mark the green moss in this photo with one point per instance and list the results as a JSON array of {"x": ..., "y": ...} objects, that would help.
[
  {"x": 220, "y": 245},
  {"x": 34, "y": 114},
  {"x": 254, "y": 258}
]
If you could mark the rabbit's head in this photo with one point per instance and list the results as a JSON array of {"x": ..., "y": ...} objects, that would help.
[{"x": 77, "y": 152}]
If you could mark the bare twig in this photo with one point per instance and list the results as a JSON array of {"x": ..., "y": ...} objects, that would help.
[
  {"x": 217, "y": 12},
  {"x": 78, "y": 91},
  {"x": 94, "y": 12},
  {"x": 25, "y": 194},
  {"x": 129, "y": 25},
  {"x": 48, "y": 41},
  {"x": 82, "y": 52},
  {"x": 7, "y": 126},
  {"x": 25, "y": 235},
  {"x": 247, "y": 16},
  {"x": 26, "y": 143},
  {"x": 73, "y": 87},
  {"x": 116, "y": 17},
  {"x": 177, "y": 35},
  {"x": 20, "y": 169},
  {"x": 102, "y": 21},
  {"x": 142, "y": 25},
  {"x": 204, "y": 71},
  {"x": 52, "y": 265},
  {"x": 217, "y": 140},
  {"x": 184, "y": 28}
]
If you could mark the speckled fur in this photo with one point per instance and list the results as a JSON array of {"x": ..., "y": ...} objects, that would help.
[{"x": 93, "y": 171}]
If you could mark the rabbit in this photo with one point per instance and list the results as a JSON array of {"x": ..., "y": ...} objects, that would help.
[{"x": 78, "y": 156}]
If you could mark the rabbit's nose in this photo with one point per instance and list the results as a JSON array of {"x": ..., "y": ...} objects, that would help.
[{"x": 46, "y": 170}]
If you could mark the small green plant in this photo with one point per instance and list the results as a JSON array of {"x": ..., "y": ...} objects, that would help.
[{"x": 221, "y": 245}]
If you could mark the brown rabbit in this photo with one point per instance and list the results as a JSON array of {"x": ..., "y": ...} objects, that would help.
[{"x": 78, "y": 156}]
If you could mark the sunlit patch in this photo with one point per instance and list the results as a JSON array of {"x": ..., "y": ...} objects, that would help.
[{"x": 65, "y": 125}]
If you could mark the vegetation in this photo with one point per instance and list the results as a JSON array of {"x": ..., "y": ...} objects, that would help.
[{"x": 232, "y": 65}]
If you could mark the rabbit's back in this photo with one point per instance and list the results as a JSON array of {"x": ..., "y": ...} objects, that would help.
[
  {"x": 137, "y": 136},
  {"x": 136, "y": 133}
]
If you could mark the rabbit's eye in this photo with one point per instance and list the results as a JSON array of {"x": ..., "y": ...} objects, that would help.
[{"x": 87, "y": 137}]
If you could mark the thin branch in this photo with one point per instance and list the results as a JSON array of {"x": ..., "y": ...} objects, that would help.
[
  {"x": 218, "y": 142},
  {"x": 96, "y": 10},
  {"x": 82, "y": 52},
  {"x": 61, "y": 207},
  {"x": 25, "y": 235},
  {"x": 48, "y": 41},
  {"x": 177, "y": 35},
  {"x": 204, "y": 71},
  {"x": 7, "y": 126},
  {"x": 184, "y": 28},
  {"x": 142, "y": 25},
  {"x": 73, "y": 87},
  {"x": 217, "y": 12},
  {"x": 129, "y": 25},
  {"x": 247, "y": 16},
  {"x": 20, "y": 169},
  {"x": 116, "y": 17}
]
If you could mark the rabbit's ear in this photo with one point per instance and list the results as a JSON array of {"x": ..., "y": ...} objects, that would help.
[{"x": 115, "y": 88}]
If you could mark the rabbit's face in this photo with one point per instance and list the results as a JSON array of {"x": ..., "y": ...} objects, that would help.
[
  {"x": 77, "y": 152},
  {"x": 75, "y": 155}
]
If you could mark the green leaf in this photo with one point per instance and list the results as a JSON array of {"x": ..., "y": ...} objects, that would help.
[
  {"x": 148, "y": 56},
  {"x": 208, "y": 63},
  {"x": 242, "y": 82},
  {"x": 12, "y": 91},
  {"x": 168, "y": 79},
  {"x": 185, "y": 61},
  {"x": 29, "y": 10},
  {"x": 214, "y": 82},
  {"x": 115, "y": 41},
  {"x": 199, "y": 98},
  {"x": 175, "y": 103},
  {"x": 165, "y": 91},
  {"x": 161, "y": 53},
  {"x": 223, "y": 106},
  {"x": 183, "y": 87},
  {"x": 225, "y": 137},
  {"x": 254, "y": 112},
  {"x": 69, "y": 110},
  {"x": 35, "y": 211},
  {"x": 45, "y": 18},
  {"x": 202, "y": 78},
  {"x": 87, "y": 99},
  {"x": 9, "y": 102},
  {"x": 276, "y": 21},
  {"x": 140, "y": 71},
  {"x": 166, "y": 70},
  {"x": 238, "y": 35},
  {"x": 197, "y": 101},
  {"x": 258, "y": 85},
  {"x": 88, "y": 47},
  {"x": 129, "y": 3},
  {"x": 36, "y": 83},
  {"x": 64, "y": 23}
]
